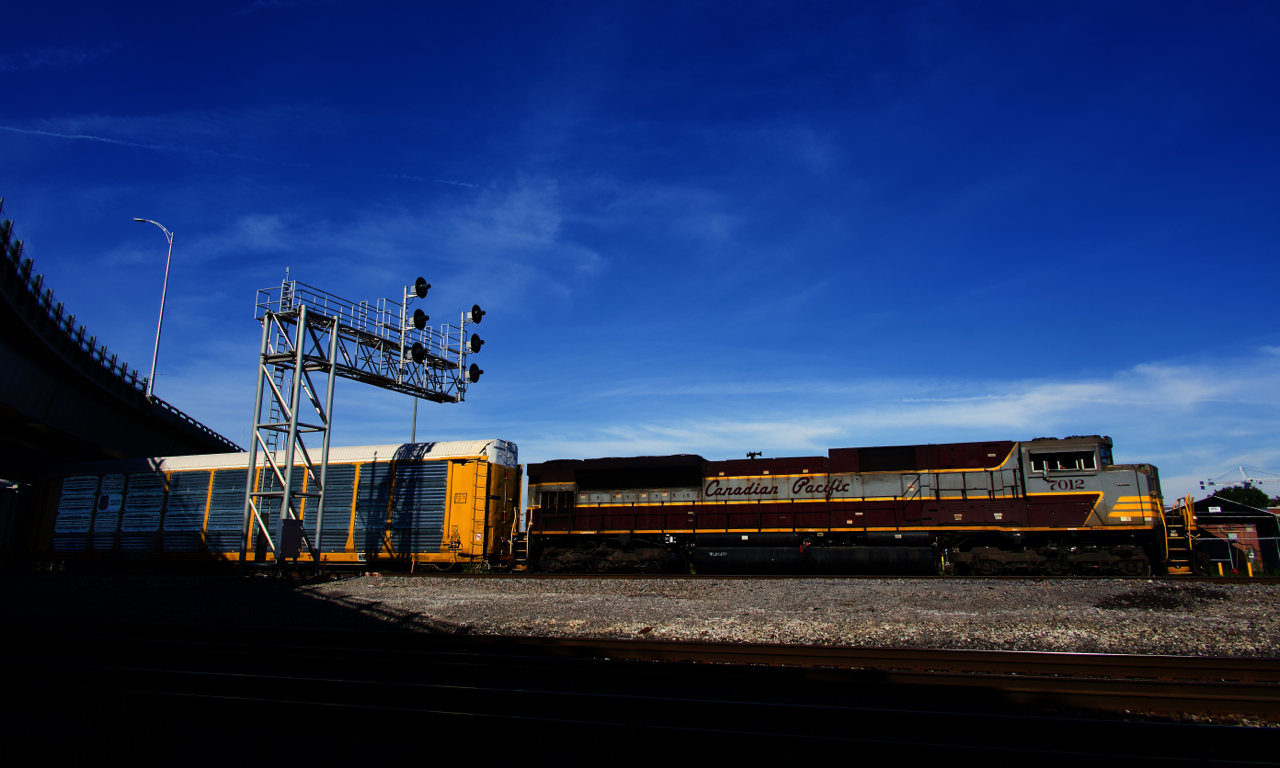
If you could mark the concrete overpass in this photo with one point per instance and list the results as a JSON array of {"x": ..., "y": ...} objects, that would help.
[{"x": 63, "y": 396}]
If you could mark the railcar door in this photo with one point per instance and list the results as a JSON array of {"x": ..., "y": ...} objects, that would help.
[{"x": 912, "y": 500}]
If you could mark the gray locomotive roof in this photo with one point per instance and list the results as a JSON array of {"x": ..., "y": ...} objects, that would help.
[{"x": 497, "y": 451}]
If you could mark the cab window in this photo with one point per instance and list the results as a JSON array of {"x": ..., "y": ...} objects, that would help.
[{"x": 1063, "y": 461}]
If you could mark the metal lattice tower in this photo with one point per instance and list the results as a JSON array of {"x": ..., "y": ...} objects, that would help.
[{"x": 309, "y": 333}]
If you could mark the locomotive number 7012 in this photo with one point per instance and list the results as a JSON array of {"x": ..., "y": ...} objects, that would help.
[{"x": 1066, "y": 485}]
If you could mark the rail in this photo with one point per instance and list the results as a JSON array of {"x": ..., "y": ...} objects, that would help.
[{"x": 1083, "y": 681}]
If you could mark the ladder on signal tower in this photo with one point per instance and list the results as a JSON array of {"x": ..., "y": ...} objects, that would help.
[{"x": 276, "y": 414}]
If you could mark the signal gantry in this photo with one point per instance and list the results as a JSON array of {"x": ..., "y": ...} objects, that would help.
[{"x": 308, "y": 331}]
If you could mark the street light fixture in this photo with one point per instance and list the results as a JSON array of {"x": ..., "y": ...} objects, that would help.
[{"x": 151, "y": 380}]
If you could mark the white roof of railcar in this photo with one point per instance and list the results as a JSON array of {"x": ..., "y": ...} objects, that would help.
[{"x": 493, "y": 449}]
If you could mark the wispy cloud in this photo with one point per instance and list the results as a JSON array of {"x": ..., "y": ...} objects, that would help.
[
  {"x": 51, "y": 58},
  {"x": 507, "y": 237},
  {"x": 690, "y": 213},
  {"x": 267, "y": 5},
  {"x": 1188, "y": 418},
  {"x": 437, "y": 181}
]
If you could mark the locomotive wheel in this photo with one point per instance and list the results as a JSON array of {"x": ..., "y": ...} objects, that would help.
[
  {"x": 1054, "y": 567},
  {"x": 987, "y": 568}
]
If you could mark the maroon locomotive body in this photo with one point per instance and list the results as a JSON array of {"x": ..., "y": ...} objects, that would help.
[{"x": 1049, "y": 505}]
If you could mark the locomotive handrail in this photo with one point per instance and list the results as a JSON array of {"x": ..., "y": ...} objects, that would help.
[{"x": 1188, "y": 505}]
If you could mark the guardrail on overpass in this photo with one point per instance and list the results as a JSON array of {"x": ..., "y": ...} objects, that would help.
[{"x": 63, "y": 396}]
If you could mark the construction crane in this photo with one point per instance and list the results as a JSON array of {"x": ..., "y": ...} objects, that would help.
[{"x": 1248, "y": 482}]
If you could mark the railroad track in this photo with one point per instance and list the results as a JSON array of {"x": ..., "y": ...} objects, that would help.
[
  {"x": 765, "y": 699},
  {"x": 842, "y": 577}
]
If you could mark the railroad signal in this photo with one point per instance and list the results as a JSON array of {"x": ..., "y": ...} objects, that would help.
[{"x": 387, "y": 343}]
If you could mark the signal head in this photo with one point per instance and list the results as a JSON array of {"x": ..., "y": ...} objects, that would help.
[
  {"x": 476, "y": 342},
  {"x": 420, "y": 287},
  {"x": 473, "y": 373},
  {"x": 419, "y": 352},
  {"x": 420, "y": 319},
  {"x": 477, "y": 313}
]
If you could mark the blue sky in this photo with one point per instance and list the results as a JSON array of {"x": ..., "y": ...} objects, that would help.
[{"x": 696, "y": 227}]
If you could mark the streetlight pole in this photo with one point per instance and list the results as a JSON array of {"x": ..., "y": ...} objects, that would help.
[{"x": 151, "y": 380}]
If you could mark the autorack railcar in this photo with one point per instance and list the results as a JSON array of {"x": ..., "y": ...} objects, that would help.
[
  {"x": 1047, "y": 506},
  {"x": 437, "y": 504}
]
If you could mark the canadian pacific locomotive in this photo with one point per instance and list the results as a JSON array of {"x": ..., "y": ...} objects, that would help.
[{"x": 1049, "y": 506}]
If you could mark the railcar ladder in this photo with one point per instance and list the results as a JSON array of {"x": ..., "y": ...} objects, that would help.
[
  {"x": 480, "y": 506},
  {"x": 1179, "y": 522}
]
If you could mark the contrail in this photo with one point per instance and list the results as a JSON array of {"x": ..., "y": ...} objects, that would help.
[
  {"x": 159, "y": 147},
  {"x": 437, "y": 181},
  {"x": 86, "y": 136}
]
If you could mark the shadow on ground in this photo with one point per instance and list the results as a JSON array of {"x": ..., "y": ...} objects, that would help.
[{"x": 221, "y": 600}]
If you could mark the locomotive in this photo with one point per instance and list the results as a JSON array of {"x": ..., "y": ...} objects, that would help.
[{"x": 1051, "y": 506}]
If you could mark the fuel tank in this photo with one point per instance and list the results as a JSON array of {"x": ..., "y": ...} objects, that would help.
[{"x": 881, "y": 561}]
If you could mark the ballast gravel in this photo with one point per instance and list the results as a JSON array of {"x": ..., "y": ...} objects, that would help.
[{"x": 1103, "y": 615}]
